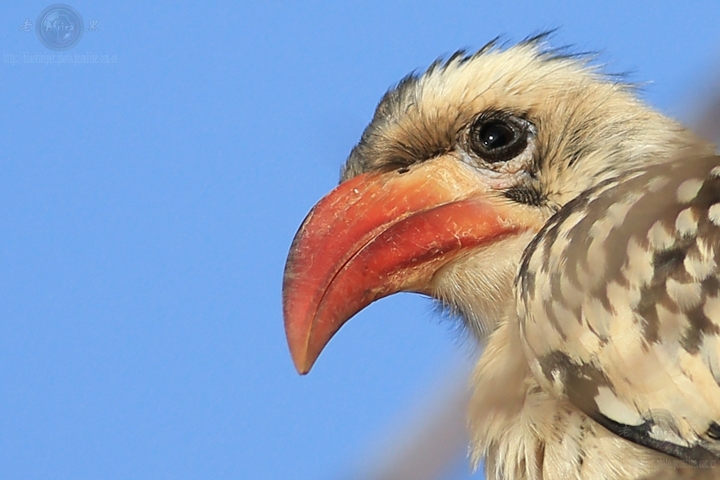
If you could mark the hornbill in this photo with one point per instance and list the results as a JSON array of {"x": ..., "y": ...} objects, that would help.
[{"x": 576, "y": 232}]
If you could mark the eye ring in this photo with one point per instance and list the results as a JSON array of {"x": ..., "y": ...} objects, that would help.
[{"x": 497, "y": 137}]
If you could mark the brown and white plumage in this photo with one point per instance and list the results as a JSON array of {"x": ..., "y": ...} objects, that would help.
[{"x": 572, "y": 227}]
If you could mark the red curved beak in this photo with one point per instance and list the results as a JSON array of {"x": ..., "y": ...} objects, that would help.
[{"x": 378, "y": 234}]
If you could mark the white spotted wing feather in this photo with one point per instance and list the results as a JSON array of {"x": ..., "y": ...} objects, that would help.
[{"x": 619, "y": 306}]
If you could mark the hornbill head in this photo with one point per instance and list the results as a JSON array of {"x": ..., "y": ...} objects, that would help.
[{"x": 458, "y": 170}]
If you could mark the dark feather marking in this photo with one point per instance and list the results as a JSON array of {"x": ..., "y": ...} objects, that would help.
[
  {"x": 526, "y": 277},
  {"x": 538, "y": 38},
  {"x": 647, "y": 311},
  {"x": 552, "y": 318},
  {"x": 640, "y": 434},
  {"x": 458, "y": 56},
  {"x": 709, "y": 193},
  {"x": 711, "y": 286},
  {"x": 581, "y": 441},
  {"x": 491, "y": 45},
  {"x": 526, "y": 194},
  {"x": 581, "y": 382},
  {"x": 539, "y": 458},
  {"x": 528, "y": 284},
  {"x": 667, "y": 261},
  {"x": 700, "y": 325}
]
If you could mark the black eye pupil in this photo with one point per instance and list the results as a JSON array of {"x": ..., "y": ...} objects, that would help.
[
  {"x": 496, "y": 135},
  {"x": 499, "y": 137}
]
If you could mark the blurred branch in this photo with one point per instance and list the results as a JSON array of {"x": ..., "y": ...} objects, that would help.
[
  {"x": 707, "y": 123},
  {"x": 433, "y": 445}
]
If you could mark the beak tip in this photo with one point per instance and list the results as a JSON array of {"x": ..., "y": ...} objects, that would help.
[{"x": 303, "y": 363}]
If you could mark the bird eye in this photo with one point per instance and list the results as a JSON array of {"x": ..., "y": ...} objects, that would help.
[
  {"x": 498, "y": 139},
  {"x": 494, "y": 135}
]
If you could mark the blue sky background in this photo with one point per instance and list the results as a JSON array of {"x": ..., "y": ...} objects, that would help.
[{"x": 147, "y": 205}]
